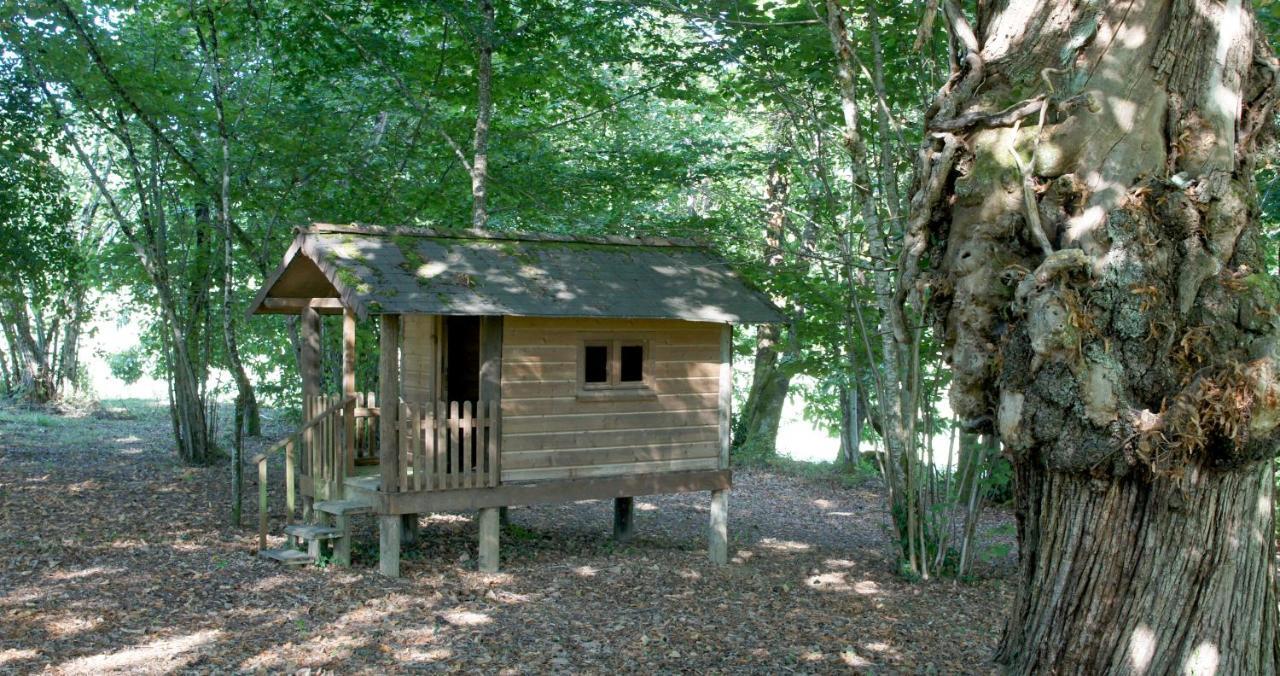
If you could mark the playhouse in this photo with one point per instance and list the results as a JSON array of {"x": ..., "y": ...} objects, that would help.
[{"x": 513, "y": 369}]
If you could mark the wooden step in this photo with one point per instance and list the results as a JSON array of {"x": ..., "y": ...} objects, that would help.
[
  {"x": 364, "y": 483},
  {"x": 312, "y": 532},
  {"x": 289, "y": 557},
  {"x": 344, "y": 507}
]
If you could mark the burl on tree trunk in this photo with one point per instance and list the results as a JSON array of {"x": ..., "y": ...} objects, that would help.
[{"x": 1087, "y": 208}]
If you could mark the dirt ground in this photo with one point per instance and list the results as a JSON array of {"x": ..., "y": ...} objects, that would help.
[{"x": 115, "y": 558}]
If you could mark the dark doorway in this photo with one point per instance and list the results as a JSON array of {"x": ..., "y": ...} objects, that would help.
[{"x": 462, "y": 359}]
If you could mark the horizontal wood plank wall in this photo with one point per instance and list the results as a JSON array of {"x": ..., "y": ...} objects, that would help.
[
  {"x": 548, "y": 433},
  {"x": 417, "y": 356}
]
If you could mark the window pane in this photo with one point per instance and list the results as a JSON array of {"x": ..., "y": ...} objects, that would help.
[
  {"x": 632, "y": 363},
  {"x": 596, "y": 364}
]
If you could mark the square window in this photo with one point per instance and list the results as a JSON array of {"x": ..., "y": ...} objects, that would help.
[
  {"x": 632, "y": 367},
  {"x": 596, "y": 363}
]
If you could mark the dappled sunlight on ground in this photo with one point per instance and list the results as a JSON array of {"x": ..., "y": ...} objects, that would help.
[
  {"x": 126, "y": 563},
  {"x": 785, "y": 545},
  {"x": 159, "y": 655}
]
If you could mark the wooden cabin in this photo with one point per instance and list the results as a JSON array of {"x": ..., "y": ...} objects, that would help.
[{"x": 522, "y": 369}]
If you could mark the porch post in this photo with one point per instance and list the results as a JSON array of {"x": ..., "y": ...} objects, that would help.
[
  {"x": 310, "y": 352},
  {"x": 309, "y": 367},
  {"x": 491, "y": 386},
  {"x": 389, "y": 448},
  {"x": 349, "y": 386}
]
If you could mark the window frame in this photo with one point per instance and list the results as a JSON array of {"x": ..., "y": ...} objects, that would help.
[{"x": 614, "y": 388}]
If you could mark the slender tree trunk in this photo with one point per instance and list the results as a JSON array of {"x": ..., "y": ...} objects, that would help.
[
  {"x": 186, "y": 403},
  {"x": 896, "y": 380},
  {"x": 484, "y": 113},
  {"x": 67, "y": 373},
  {"x": 247, "y": 406},
  {"x": 1086, "y": 203},
  {"x": 853, "y": 414}
]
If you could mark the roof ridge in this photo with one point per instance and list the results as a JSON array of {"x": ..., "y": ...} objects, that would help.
[{"x": 471, "y": 233}]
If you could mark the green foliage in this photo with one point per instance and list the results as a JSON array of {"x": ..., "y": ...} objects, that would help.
[
  {"x": 127, "y": 365},
  {"x": 519, "y": 533},
  {"x": 36, "y": 243},
  {"x": 30, "y": 417},
  {"x": 997, "y": 481}
]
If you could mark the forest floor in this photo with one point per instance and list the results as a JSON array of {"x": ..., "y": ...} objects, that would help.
[{"x": 115, "y": 558}]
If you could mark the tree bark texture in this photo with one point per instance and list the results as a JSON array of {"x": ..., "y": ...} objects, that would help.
[
  {"x": 36, "y": 376},
  {"x": 247, "y": 400},
  {"x": 484, "y": 113},
  {"x": 770, "y": 379},
  {"x": 1087, "y": 208}
]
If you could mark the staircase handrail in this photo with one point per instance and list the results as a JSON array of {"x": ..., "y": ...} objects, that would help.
[{"x": 288, "y": 444}]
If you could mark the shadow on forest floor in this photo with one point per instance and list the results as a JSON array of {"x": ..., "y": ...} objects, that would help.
[{"x": 115, "y": 557}]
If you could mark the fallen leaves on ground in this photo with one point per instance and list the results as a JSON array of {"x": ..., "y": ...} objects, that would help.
[{"x": 115, "y": 558}]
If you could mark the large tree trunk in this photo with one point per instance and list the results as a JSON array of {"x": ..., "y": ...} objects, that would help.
[
  {"x": 770, "y": 382},
  {"x": 770, "y": 379},
  {"x": 1086, "y": 201},
  {"x": 36, "y": 376}
]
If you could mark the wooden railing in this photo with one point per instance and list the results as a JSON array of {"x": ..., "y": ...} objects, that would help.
[
  {"x": 365, "y": 418},
  {"x": 320, "y": 436},
  {"x": 324, "y": 444},
  {"x": 448, "y": 446},
  {"x": 443, "y": 447}
]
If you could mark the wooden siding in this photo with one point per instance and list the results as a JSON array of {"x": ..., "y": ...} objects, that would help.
[
  {"x": 548, "y": 432},
  {"x": 417, "y": 357}
]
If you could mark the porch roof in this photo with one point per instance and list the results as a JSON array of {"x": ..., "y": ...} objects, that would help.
[{"x": 376, "y": 270}]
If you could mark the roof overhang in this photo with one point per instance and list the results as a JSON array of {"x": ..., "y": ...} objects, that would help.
[{"x": 372, "y": 270}]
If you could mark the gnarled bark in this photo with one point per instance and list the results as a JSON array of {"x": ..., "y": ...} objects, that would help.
[{"x": 1097, "y": 275}]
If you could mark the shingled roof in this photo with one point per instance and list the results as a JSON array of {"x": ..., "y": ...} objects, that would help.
[{"x": 377, "y": 270}]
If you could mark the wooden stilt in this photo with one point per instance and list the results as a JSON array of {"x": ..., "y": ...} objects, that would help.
[
  {"x": 718, "y": 534},
  {"x": 489, "y": 537},
  {"x": 389, "y": 545},
  {"x": 623, "y": 519},
  {"x": 314, "y": 548},
  {"x": 342, "y": 546}
]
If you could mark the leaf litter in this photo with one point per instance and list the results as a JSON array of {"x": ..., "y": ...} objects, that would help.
[{"x": 114, "y": 558}]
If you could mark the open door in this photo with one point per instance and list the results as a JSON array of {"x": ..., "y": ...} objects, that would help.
[{"x": 462, "y": 359}]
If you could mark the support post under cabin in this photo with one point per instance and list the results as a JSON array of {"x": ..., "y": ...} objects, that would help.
[
  {"x": 489, "y": 538},
  {"x": 718, "y": 529},
  {"x": 718, "y": 533},
  {"x": 309, "y": 360},
  {"x": 623, "y": 519},
  {"x": 389, "y": 447}
]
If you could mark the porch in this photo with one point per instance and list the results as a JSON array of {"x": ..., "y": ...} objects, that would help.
[{"x": 352, "y": 449}]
